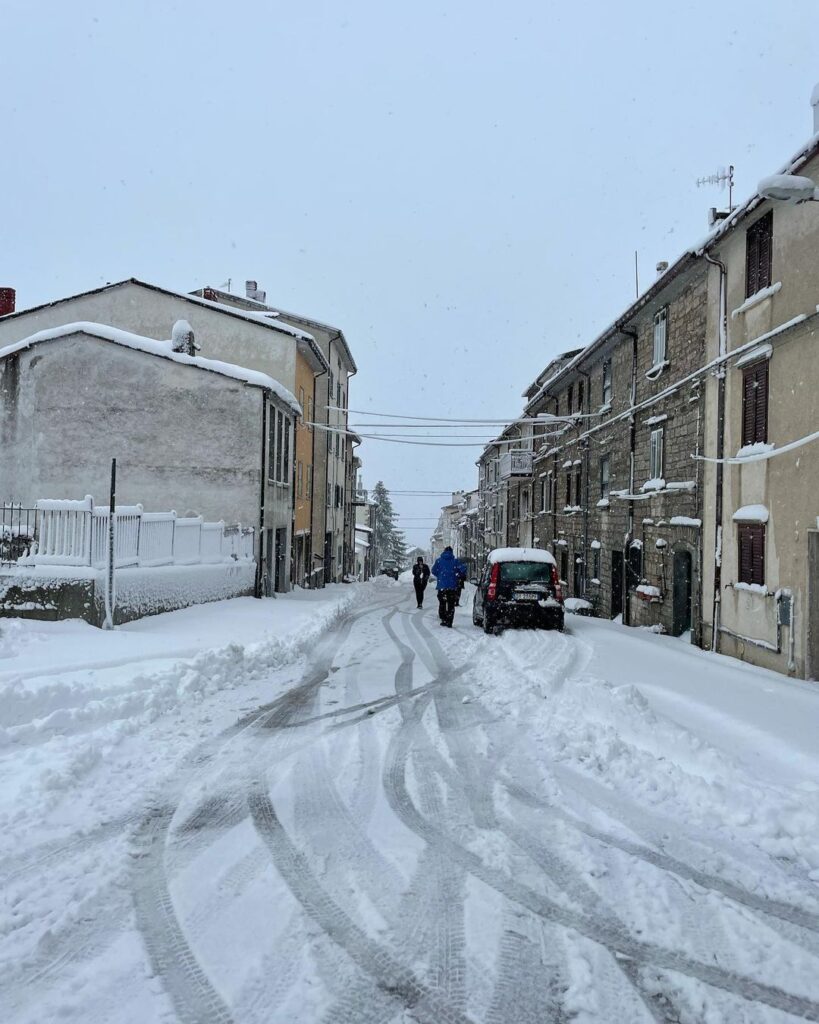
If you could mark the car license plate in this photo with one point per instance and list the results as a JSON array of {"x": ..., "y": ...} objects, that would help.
[{"x": 526, "y": 596}]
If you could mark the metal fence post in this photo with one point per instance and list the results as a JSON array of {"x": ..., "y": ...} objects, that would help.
[{"x": 109, "y": 588}]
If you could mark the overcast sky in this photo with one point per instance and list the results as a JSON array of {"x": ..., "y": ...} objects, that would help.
[{"x": 459, "y": 186}]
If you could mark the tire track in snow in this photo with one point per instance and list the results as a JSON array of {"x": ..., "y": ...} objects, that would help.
[
  {"x": 617, "y": 941},
  {"x": 194, "y": 998},
  {"x": 375, "y": 960}
]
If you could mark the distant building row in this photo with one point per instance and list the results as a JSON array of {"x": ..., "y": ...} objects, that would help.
[
  {"x": 672, "y": 464},
  {"x": 241, "y": 416}
]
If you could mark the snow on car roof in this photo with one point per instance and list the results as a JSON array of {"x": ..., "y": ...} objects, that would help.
[{"x": 521, "y": 555}]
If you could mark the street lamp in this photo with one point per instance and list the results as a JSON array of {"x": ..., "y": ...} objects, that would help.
[{"x": 789, "y": 188}]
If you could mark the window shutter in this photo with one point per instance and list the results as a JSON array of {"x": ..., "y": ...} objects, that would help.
[
  {"x": 765, "y": 251},
  {"x": 748, "y": 406},
  {"x": 761, "y": 402},
  {"x": 751, "y": 540},
  {"x": 751, "y": 263}
]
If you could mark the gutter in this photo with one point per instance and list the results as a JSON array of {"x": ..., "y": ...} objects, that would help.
[
  {"x": 718, "y": 501},
  {"x": 262, "y": 492}
]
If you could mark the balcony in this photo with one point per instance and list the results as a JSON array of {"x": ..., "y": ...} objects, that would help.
[{"x": 515, "y": 464}]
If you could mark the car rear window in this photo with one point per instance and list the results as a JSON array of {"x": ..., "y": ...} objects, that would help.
[{"x": 515, "y": 572}]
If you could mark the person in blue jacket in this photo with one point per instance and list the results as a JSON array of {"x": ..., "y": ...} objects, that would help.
[{"x": 448, "y": 573}]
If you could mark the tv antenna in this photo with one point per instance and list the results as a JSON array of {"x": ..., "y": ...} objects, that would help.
[{"x": 722, "y": 178}]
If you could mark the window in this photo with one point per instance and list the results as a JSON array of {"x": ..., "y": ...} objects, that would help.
[
  {"x": 758, "y": 253},
  {"x": 338, "y": 444},
  {"x": 524, "y": 506},
  {"x": 309, "y": 492},
  {"x": 338, "y": 395},
  {"x": 513, "y": 509},
  {"x": 655, "y": 454},
  {"x": 331, "y": 383},
  {"x": 606, "y": 392},
  {"x": 301, "y": 400},
  {"x": 660, "y": 331},
  {"x": 300, "y": 479},
  {"x": 570, "y": 400},
  {"x": 578, "y": 486},
  {"x": 755, "y": 403},
  {"x": 604, "y": 478},
  {"x": 329, "y": 439},
  {"x": 751, "y": 543},
  {"x": 568, "y": 489},
  {"x": 634, "y": 565},
  {"x": 329, "y": 502},
  {"x": 309, "y": 412},
  {"x": 596, "y": 563},
  {"x": 278, "y": 447},
  {"x": 580, "y": 395}
]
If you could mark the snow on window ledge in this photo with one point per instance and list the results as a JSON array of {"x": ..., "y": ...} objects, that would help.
[
  {"x": 595, "y": 582},
  {"x": 604, "y": 409},
  {"x": 749, "y": 450},
  {"x": 756, "y": 298},
  {"x": 755, "y": 355},
  {"x": 595, "y": 545},
  {"x": 752, "y": 588},
  {"x": 653, "y": 420},
  {"x": 656, "y": 370},
  {"x": 655, "y": 484},
  {"x": 603, "y": 503},
  {"x": 751, "y": 514},
  {"x": 685, "y": 521},
  {"x": 648, "y": 593}
]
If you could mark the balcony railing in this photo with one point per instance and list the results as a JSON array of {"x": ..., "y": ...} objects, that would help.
[{"x": 515, "y": 463}]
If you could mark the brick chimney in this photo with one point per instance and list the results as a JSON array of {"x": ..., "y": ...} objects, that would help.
[{"x": 8, "y": 297}]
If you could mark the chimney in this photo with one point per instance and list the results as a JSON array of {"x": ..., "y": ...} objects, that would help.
[
  {"x": 253, "y": 292},
  {"x": 8, "y": 297},
  {"x": 662, "y": 266},
  {"x": 814, "y": 102},
  {"x": 715, "y": 216}
]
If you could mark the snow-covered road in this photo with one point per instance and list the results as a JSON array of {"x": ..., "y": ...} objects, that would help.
[{"x": 416, "y": 824}]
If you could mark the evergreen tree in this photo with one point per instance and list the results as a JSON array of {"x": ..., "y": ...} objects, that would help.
[{"x": 388, "y": 540}]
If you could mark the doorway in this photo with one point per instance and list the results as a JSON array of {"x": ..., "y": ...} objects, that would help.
[
  {"x": 681, "y": 617},
  {"x": 578, "y": 575},
  {"x": 280, "y": 553},
  {"x": 616, "y": 583}
]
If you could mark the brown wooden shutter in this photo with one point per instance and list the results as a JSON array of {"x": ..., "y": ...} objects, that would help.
[
  {"x": 751, "y": 540},
  {"x": 765, "y": 250},
  {"x": 761, "y": 404},
  {"x": 751, "y": 262}
]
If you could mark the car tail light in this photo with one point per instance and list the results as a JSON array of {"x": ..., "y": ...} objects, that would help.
[
  {"x": 494, "y": 576},
  {"x": 556, "y": 584}
]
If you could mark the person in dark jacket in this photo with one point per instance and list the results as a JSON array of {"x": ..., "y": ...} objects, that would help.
[
  {"x": 448, "y": 571},
  {"x": 420, "y": 578}
]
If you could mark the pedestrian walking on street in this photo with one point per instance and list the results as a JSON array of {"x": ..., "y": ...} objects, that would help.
[
  {"x": 420, "y": 578},
  {"x": 448, "y": 572}
]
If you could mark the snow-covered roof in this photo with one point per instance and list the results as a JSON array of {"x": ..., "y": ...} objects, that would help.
[
  {"x": 521, "y": 555},
  {"x": 265, "y": 319},
  {"x": 162, "y": 349}
]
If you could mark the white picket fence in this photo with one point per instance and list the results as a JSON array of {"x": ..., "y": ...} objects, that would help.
[{"x": 76, "y": 533}]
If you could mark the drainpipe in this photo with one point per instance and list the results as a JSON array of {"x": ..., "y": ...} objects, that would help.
[
  {"x": 632, "y": 444},
  {"x": 316, "y": 434},
  {"x": 586, "y": 489},
  {"x": 723, "y": 351},
  {"x": 262, "y": 489}
]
